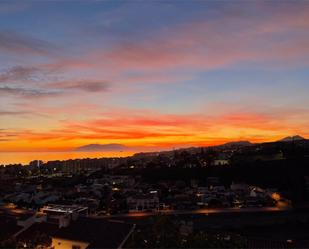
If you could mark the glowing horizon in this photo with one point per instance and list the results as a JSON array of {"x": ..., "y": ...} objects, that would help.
[
  {"x": 24, "y": 157},
  {"x": 149, "y": 75}
]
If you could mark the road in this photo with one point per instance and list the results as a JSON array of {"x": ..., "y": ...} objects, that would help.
[{"x": 204, "y": 211}]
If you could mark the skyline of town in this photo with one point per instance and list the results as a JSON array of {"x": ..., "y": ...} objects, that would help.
[
  {"x": 95, "y": 151},
  {"x": 237, "y": 195}
]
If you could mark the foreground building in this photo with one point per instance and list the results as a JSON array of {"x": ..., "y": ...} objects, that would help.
[
  {"x": 64, "y": 227},
  {"x": 92, "y": 233}
]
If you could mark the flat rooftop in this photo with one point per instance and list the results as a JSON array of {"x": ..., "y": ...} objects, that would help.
[{"x": 64, "y": 208}]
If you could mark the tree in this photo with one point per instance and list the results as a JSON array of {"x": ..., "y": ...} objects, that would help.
[{"x": 9, "y": 243}]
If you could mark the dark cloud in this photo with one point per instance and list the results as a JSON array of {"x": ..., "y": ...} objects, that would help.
[
  {"x": 21, "y": 112},
  {"x": 18, "y": 113},
  {"x": 4, "y": 113},
  {"x": 4, "y": 140},
  {"x": 27, "y": 92},
  {"x": 6, "y": 135},
  {"x": 92, "y": 86},
  {"x": 21, "y": 44},
  {"x": 18, "y": 73},
  {"x": 88, "y": 86},
  {"x": 49, "y": 90}
]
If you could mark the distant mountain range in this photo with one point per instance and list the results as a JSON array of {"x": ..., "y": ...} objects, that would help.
[
  {"x": 121, "y": 147},
  {"x": 231, "y": 145},
  {"x": 102, "y": 147},
  {"x": 237, "y": 143},
  {"x": 248, "y": 143},
  {"x": 292, "y": 138}
]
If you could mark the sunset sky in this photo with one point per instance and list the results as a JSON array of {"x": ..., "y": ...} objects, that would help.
[{"x": 149, "y": 75}]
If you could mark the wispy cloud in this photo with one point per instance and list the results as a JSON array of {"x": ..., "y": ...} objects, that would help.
[
  {"x": 18, "y": 73},
  {"x": 276, "y": 37},
  {"x": 28, "y": 92},
  {"x": 7, "y": 135},
  {"x": 19, "y": 44},
  {"x": 14, "y": 113},
  {"x": 201, "y": 46},
  {"x": 82, "y": 85}
]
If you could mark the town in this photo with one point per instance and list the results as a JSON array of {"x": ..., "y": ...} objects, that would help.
[{"x": 52, "y": 198}]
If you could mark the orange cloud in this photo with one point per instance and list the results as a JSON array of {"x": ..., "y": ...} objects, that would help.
[{"x": 149, "y": 129}]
